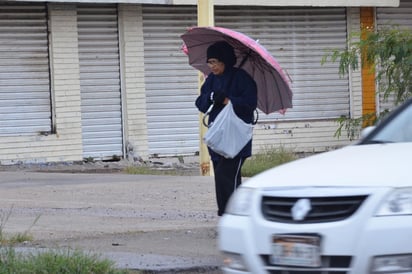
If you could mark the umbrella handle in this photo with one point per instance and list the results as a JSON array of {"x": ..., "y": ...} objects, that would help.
[
  {"x": 204, "y": 120},
  {"x": 207, "y": 114},
  {"x": 256, "y": 117}
]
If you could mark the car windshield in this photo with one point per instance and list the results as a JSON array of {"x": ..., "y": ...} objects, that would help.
[{"x": 397, "y": 129}]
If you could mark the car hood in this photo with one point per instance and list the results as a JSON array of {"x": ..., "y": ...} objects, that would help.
[{"x": 377, "y": 165}]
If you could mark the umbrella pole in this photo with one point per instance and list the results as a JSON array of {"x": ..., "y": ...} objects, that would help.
[{"x": 205, "y": 17}]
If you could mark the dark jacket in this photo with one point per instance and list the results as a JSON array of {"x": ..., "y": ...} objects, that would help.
[{"x": 241, "y": 91}]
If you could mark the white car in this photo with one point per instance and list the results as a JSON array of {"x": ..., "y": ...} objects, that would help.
[{"x": 345, "y": 211}]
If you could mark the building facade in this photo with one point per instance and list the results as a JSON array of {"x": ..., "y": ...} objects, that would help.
[{"x": 109, "y": 80}]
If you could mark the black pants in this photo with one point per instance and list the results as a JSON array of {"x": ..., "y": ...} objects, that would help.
[{"x": 227, "y": 178}]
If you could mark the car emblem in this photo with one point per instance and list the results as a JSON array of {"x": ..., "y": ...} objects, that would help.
[{"x": 300, "y": 209}]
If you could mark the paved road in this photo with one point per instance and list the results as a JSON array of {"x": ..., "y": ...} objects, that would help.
[{"x": 153, "y": 223}]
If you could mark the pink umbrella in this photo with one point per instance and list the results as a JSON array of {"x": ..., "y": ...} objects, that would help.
[{"x": 274, "y": 93}]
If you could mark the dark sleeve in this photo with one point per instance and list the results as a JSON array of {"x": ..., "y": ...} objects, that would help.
[
  {"x": 203, "y": 102},
  {"x": 244, "y": 96}
]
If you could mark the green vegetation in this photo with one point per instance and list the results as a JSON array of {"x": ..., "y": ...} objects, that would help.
[
  {"x": 17, "y": 238},
  {"x": 390, "y": 52},
  {"x": 268, "y": 158},
  {"x": 3, "y": 220},
  {"x": 52, "y": 262},
  {"x": 49, "y": 262},
  {"x": 146, "y": 170}
]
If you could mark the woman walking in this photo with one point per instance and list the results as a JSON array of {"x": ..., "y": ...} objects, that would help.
[{"x": 227, "y": 83}]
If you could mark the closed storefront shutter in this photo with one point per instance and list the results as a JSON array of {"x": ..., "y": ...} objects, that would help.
[
  {"x": 297, "y": 37},
  {"x": 171, "y": 84},
  {"x": 24, "y": 70},
  {"x": 401, "y": 18},
  {"x": 100, "y": 81}
]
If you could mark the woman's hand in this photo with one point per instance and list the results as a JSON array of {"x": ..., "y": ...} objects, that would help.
[{"x": 219, "y": 97}]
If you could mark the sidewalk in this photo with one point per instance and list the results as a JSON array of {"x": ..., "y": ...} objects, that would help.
[{"x": 158, "y": 224}]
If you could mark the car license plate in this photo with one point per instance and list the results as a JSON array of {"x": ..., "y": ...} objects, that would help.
[{"x": 296, "y": 250}]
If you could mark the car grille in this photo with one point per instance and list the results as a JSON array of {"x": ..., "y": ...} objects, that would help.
[
  {"x": 323, "y": 209},
  {"x": 330, "y": 265}
]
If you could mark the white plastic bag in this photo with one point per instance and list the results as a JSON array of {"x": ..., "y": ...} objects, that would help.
[{"x": 228, "y": 134}]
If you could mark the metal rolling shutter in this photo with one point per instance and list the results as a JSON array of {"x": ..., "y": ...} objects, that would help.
[
  {"x": 171, "y": 84},
  {"x": 401, "y": 16},
  {"x": 24, "y": 70},
  {"x": 100, "y": 81},
  {"x": 298, "y": 38},
  {"x": 387, "y": 17}
]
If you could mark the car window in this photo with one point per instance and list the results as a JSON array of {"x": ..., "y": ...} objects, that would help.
[{"x": 398, "y": 129}]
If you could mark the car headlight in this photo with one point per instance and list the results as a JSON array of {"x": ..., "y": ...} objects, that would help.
[
  {"x": 240, "y": 202},
  {"x": 399, "y": 202},
  {"x": 401, "y": 263},
  {"x": 234, "y": 261}
]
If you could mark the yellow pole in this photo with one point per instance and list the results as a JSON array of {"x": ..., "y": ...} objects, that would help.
[
  {"x": 367, "y": 17},
  {"x": 205, "y": 17}
]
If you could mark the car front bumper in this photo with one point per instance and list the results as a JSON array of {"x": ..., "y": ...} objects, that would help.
[{"x": 349, "y": 246}]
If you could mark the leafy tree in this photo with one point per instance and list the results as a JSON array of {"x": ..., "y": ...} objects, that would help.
[{"x": 388, "y": 50}]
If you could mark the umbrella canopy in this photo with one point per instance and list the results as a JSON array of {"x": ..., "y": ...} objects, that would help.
[{"x": 274, "y": 93}]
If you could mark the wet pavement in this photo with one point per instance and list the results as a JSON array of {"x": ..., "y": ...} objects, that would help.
[{"x": 158, "y": 224}]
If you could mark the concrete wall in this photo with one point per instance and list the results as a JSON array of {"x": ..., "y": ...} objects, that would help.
[{"x": 133, "y": 82}]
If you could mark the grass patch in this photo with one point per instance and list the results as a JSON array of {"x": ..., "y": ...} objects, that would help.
[
  {"x": 159, "y": 170},
  {"x": 17, "y": 238},
  {"x": 52, "y": 262},
  {"x": 144, "y": 170},
  {"x": 268, "y": 158},
  {"x": 48, "y": 262},
  {"x": 3, "y": 220}
]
